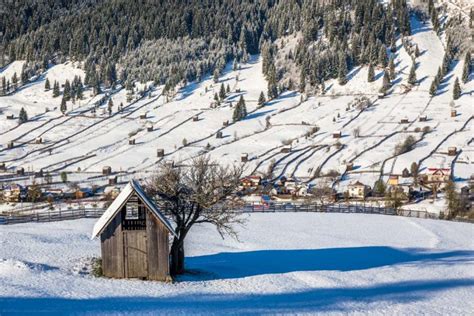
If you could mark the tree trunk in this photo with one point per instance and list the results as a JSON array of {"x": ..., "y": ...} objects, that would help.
[{"x": 177, "y": 257}]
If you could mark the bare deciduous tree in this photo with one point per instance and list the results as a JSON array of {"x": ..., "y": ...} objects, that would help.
[{"x": 203, "y": 192}]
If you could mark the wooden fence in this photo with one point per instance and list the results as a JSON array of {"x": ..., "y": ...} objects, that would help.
[
  {"x": 69, "y": 214},
  {"x": 50, "y": 216}
]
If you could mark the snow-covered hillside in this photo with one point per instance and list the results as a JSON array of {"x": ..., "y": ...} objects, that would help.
[
  {"x": 82, "y": 144},
  {"x": 389, "y": 265}
]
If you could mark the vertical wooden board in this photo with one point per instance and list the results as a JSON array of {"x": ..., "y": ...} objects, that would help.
[
  {"x": 158, "y": 249},
  {"x": 136, "y": 254},
  {"x": 112, "y": 249}
]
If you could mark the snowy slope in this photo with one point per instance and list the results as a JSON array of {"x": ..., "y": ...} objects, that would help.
[
  {"x": 332, "y": 263},
  {"x": 82, "y": 144}
]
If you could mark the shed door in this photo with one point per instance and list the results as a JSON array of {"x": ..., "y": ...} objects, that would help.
[{"x": 136, "y": 265}]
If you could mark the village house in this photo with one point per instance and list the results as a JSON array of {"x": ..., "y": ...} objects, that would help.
[
  {"x": 436, "y": 175},
  {"x": 13, "y": 193},
  {"x": 134, "y": 237},
  {"x": 358, "y": 190},
  {"x": 393, "y": 180},
  {"x": 250, "y": 182},
  {"x": 400, "y": 185}
]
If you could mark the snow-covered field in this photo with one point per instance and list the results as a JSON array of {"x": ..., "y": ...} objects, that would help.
[{"x": 331, "y": 263}]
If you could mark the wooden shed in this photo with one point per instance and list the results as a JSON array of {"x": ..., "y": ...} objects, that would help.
[
  {"x": 149, "y": 128},
  {"x": 453, "y": 113},
  {"x": 219, "y": 134},
  {"x": 134, "y": 237},
  {"x": 10, "y": 145},
  {"x": 337, "y": 134},
  {"x": 106, "y": 170},
  {"x": 131, "y": 141},
  {"x": 160, "y": 152},
  {"x": 112, "y": 180},
  {"x": 195, "y": 118},
  {"x": 423, "y": 118},
  {"x": 244, "y": 157},
  {"x": 452, "y": 151},
  {"x": 143, "y": 116},
  {"x": 38, "y": 140},
  {"x": 404, "y": 120},
  {"x": 20, "y": 171}
]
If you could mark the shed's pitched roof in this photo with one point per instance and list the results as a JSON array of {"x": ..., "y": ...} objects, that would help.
[{"x": 114, "y": 208}]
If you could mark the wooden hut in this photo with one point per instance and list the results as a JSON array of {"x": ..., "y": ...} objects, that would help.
[
  {"x": 423, "y": 118},
  {"x": 134, "y": 237},
  {"x": 452, "y": 151},
  {"x": 106, "y": 170},
  {"x": 453, "y": 113},
  {"x": 10, "y": 117},
  {"x": 149, "y": 128},
  {"x": 349, "y": 166},
  {"x": 113, "y": 180},
  {"x": 38, "y": 140},
  {"x": 244, "y": 158},
  {"x": 285, "y": 150},
  {"x": 160, "y": 152},
  {"x": 337, "y": 134},
  {"x": 195, "y": 118},
  {"x": 404, "y": 120},
  {"x": 219, "y": 134},
  {"x": 20, "y": 171},
  {"x": 143, "y": 116},
  {"x": 10, "y": 145},
  {"x": 131, "y": 141},
  {"x": 225, "y": 123}
]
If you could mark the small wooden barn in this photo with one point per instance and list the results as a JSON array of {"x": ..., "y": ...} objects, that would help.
[{"x": 134, "y": 237}]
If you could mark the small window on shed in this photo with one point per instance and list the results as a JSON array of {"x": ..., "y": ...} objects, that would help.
[{"x": 134, "y": 214}]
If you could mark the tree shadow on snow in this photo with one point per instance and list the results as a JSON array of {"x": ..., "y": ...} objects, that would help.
[
  {"x": 233, "y": 265},
  {"x": 335, "y": 299}
]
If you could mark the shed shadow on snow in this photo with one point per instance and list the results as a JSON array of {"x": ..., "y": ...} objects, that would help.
[
  {"x": 233, "y": 265},
  {"x": 335, "y": 299}
]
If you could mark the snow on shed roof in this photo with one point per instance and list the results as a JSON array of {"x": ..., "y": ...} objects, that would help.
[{"x": 114, "y": 208}]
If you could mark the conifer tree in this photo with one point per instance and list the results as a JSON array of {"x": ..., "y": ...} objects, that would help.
[
  {"x": 371, "y": 73},
  {"x": 385, "y": 83},
  {"x": 466, "y": 71},
  {"x": 15, "y": 81},
  {"x": 240, "y": 110},
  {"x": 261, "y": 99},
  {"x": 412, "y": 75},
  {"x": 23, "y": 116},
  {"x": 391, "y": 68},
  {"x": 222, "y": 92},
  {"x": 63, "y": 107},
  {"x": 456, "y": 89},
  {"x": 227, "y": 90},
  {"x": 67, "y": 91},
  {"x": 433, "y": 87},
  {"x": 56, "y": 89},
  {"x": 24, "y": 74},
  {"x": 4, "y": 86},
  {"x": 383, "y": 58},
  {"x": 445, "y": 66},
  {"x": 342, "y": 70},
  {"x": 47, "y": 85},
  {"x": 110, "y": 105}
]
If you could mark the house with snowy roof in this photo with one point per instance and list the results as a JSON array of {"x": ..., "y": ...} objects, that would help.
[
  {"x": 134, "y": 236},
  {"x": 358, "y": 190}
]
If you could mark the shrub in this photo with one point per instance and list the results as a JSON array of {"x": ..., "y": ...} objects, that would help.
[
  {"x": 97, "y": 267},
  {"x": 406, "y": 146}
]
